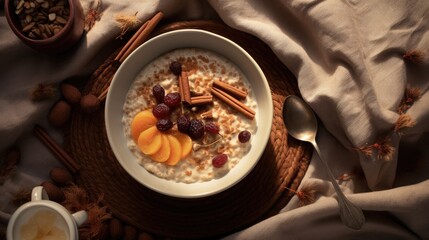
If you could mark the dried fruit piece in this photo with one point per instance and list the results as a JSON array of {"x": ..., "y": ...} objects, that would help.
[
  {"x": 185, "y": 142},
  {"x": 164, "y": 152},
  {"x": 172, "y": 99},
  {"x": 211, "y": 127},
  {"x": 196, "y": 129},
  {"x": 244, "y": 136},
  {"x": 176, "y": 68},
  {"x": 158, "y": 92},
  {"x": 149, "y": 141},
  {"x": 142, "y": 121},
  {"x": 175, "y": 151},
  {"x": 183, "y": 123},
  {"x": 219, "y": 160},
  {"x": 164, "y": 124},
  {"x": 161, "y": 110}
]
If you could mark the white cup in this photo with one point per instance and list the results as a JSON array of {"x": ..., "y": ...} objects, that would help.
[{"x": 44, "y": 217}]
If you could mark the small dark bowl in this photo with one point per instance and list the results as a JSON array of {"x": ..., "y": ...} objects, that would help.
[{"x": 67, "y": 37}]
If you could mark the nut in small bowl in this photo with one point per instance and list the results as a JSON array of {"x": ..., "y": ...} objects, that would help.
[{"x": 50, "y": 26}]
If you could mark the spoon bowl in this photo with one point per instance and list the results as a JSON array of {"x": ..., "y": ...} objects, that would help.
[{"x": 301, "y": 124}]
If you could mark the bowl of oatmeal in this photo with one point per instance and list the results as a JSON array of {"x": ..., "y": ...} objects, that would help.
[{"x": 188, "y": 113}]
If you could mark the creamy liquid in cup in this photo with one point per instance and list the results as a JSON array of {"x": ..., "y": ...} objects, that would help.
[{"x": 41, "y": 223}]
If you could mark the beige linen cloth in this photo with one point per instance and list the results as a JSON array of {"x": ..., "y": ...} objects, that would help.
[{"x": 347, "y": 57}]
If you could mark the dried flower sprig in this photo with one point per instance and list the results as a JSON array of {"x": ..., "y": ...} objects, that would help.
[
  {"x": 411, "y": 95},
  {"x": 93, "y": 15},
  {"x": 97, "y": 216},
  {"x": 416, "y": 56},
  {"x": 404, "y": 121},
  {"x": 306, "y": 194},
  {"x": 381, "y": 150},
  {"x": 9, "y": 163},
  {"x": 126, "y": 23},
  {"x": 22, "y": 196},
  {"x": 43, "y": 91}
]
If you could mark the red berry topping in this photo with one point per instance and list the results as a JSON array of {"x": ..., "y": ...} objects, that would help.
[
  {"x": 219, "y": 160},
  {"x": 211, "y": 127},
  {"x": 244, "y": 136},
  {"x": 164, "y": 124},
  {"x": 183, "y": 123},
  {"x": 176, "y": 68},
  {"x": 172, "y": 99},
  {"x": 196, "y": 129},
  {"x": 158, "y": 92},
  {"x": 161, "y": 111}
]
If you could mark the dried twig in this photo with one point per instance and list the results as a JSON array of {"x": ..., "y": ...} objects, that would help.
[
  {"x": 382, "y": 149},
  {"x": 93, "y": 15},
  {"x": 416, "y": 56}
]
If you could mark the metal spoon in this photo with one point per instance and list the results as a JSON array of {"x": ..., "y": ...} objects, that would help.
[{"x": 301, "y": 123}]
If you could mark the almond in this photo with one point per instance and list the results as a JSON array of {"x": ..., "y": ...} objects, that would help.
[
  {"x": 145, "y": 236},
  {"x": 116, "y": 229},
  {"x": 130, "y": 233},
  {"x": 54, "y": 193},
  {"x": 59, "y": 113},
  {"x": 70, "y": 93},
  {"x": 60, "y": 176},
  {"x": 90, "y": 103}
]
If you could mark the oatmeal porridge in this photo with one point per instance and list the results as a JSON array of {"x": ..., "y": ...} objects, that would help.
[{"x": 219, "y": 117}]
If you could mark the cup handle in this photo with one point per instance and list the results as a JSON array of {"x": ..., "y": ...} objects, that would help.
[
  {"x": 80, "y": 217},
  {"x": 38, "y": 193}
]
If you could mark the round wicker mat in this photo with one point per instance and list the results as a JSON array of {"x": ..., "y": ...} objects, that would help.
[{"x": 258, "y": 196}]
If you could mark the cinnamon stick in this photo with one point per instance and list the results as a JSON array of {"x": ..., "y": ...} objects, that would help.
[
  {"x": 202, "y": 100},
  {"x": 143, "y": 35},
  {"x": 184, "y": 89},
  {"x": 130, "y": 42},
  {"x": 228, "y": 88},
  {"x": 234, "y": 103},
  {"x": 56, "y": 149}
]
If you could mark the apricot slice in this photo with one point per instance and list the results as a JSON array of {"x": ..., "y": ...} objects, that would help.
[
  {"x": 150, "y": 140},
  {"x": 142, "y": 121},
  {"x": 185, "y": 143},
  {"x": 175, "y": 151},
  {"x": 164, "y": 152}
]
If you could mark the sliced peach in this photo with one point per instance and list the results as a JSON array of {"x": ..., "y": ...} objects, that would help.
[
  {"x": 164, "y": 152},
  {"x": 175, "y": 151},
  {"x": 150, "y": 140},
  {"x": 142, "y": 121},
  {"x": 185, "y": 142}
]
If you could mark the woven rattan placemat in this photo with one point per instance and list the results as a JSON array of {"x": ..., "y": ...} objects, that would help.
[{"x": 258, "y": 196}]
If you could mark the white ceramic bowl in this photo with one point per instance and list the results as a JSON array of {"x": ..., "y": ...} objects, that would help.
[{"x": 154, "y": 48}]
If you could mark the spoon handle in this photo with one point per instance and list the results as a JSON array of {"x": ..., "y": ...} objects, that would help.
[{"x": 351, "y": 215}]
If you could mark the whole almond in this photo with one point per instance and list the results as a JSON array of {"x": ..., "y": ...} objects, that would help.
[
  {"x": 130, "y": 233},
  {"x": 116, "y": 229},
  {"x": 70, "y": 93},
  {"x": 60, "y": 176},
  {"x": 90, "y": 103},
  {"x": 54, "y": 193},
  {"x": 145, "y": 236},
  {"x": 59, "y": 113}
]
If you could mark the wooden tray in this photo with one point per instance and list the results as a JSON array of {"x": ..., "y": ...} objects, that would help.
[{"x": 258, "y": 196}]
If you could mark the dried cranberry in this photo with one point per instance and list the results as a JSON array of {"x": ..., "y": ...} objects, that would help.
[
  {"x": 183, "y": 123},
  {"x": 164, "y": 124},
  {"x": 244, "y": 136},
  {"x": 176, "y": 68},
  {"x": 219, "y": 160},
  {"x": 211, "y": 127},
  {"x": 196, "y": 129},
  {"x": 158, "y": 92},
  {"x": 172, "y": 99},
  {"x": 161, "y": 110}
]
